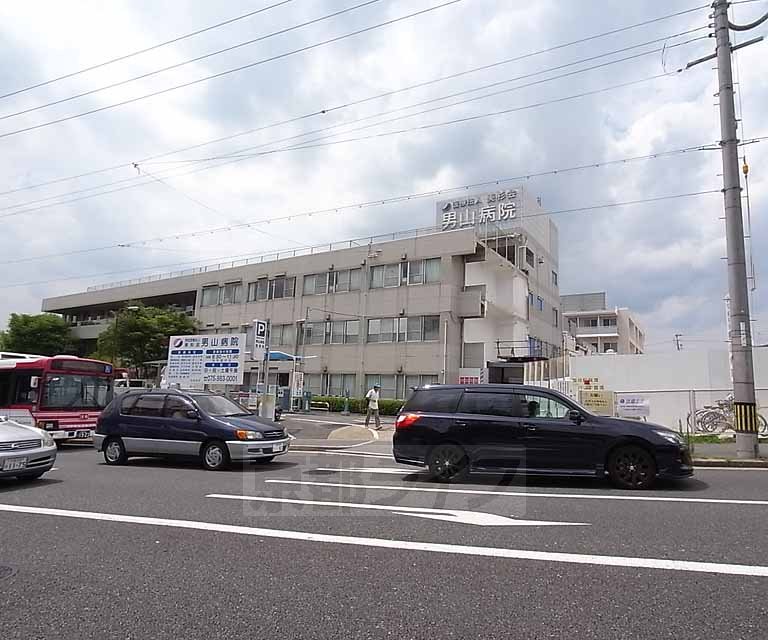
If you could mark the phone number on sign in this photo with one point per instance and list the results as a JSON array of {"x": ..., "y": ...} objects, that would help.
[{"x": 226, "y": 379}]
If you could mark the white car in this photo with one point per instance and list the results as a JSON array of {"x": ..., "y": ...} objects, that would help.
[{"x": 25, "y": 452}]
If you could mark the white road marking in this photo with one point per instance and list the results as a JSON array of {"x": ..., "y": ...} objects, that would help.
[
  {"x": 403, "y": 471},
  {"x": 527, "y": 494},
  {"x": 357, "y": 454},
  {"x": 343, "y": 424},
  {"x": 698, "y": 469},
  {"x": 448, "y": 515},
  {"x": 408, "y": 545}
]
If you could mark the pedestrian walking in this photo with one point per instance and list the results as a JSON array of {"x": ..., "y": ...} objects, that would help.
[{"x": 373, "y": 406}]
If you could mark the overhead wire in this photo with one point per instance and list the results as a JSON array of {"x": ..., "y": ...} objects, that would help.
[
  {"x": 230, "y": 71},
  {"x": 371, "y": 203},
  {"x": 149, "y": 74},
  {"x": 562, "y": 211},
  {"x": 143, "y": 163},
  {"x": 328, "y": 110},
  {"x": 145, "y": 50}
]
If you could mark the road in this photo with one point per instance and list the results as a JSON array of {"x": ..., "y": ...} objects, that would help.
[{"x": 160, "y": 549}]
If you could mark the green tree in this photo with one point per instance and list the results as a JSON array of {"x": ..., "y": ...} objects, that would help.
[
  {"x": 45, "y": 334},
  {"x": 141, "y": 335}
]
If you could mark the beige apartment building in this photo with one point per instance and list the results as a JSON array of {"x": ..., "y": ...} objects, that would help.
[
  {"x": 467, "y": 297},
  {"x": 599, "y": 329}
]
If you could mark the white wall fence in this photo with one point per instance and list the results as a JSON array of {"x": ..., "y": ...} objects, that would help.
[{"x": 674, "y": 385}]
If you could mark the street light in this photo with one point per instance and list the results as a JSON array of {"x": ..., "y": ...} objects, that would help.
[{"x": 116, "y": 316}]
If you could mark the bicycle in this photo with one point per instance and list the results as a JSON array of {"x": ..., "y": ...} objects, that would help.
[{"x": 719, "y": 418}]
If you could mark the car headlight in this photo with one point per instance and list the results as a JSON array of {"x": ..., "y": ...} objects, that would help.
[
  {"x": 670, "y": 436},
  {"x": 48, "y": 440},
  {"x": 242, "y": 434}
]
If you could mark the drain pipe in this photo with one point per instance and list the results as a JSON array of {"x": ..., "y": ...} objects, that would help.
[{"x": 445, "y": 351}]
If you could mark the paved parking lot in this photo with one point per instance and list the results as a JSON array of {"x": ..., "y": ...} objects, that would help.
[{"x": 347, "y": 543}]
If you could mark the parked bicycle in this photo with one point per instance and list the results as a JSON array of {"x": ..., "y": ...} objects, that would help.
[{"x": 719, "y": 418}]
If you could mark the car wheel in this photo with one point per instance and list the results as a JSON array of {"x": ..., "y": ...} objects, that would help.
[
  {"x": 265, "y": 460},
  {"x": 448, "y": 462},
  {"x": 29, "y": 477},
  {"x": 215, "y": 456},
  {"x": 114, "y": 451},
  {"x": 632, "y": 467}
]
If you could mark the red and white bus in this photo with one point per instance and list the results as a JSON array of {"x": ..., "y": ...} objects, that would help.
[{"x": 62, "y": 394}]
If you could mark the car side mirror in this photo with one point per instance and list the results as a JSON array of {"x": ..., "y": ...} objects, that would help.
[
  {"x": 575, "y": 416},
  {"x": 192, "y": 414}
]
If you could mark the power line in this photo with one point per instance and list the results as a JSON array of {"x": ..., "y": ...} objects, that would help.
[
  {"x": 190, "y": 61},
  {"x": 306, "y": 145},
  {"x": 562, "y": 211},
  {"x": 142, "y": 163},
  {"x": 146, "y": 50},
  {"x": 210, "y": 208},
  {"x": 228, "y": 71},
  {"x": 386, "y": 94},
  {"x": 370, "y": 203}
]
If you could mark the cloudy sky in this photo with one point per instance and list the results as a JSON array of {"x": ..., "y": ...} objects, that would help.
[{"x": 662, "y": 259}]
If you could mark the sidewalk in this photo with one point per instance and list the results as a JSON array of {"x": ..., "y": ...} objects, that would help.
[{"x": 724, "y": 454}]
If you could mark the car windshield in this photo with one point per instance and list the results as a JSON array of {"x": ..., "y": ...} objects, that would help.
[
  {"x": 220, "y": 406},
  {"x": 70, "y": 391}
]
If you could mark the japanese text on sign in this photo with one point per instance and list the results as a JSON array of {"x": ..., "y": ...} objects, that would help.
[{"x": 194, "y": 361}]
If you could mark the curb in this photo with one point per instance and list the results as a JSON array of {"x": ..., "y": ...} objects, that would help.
[{"x": 760, "y": 463}]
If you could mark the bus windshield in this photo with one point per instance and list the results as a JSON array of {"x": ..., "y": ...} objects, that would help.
[{"x": 73, "y": 391}]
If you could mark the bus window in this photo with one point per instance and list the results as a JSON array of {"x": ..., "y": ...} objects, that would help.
[{"x": 24, "y": 393}]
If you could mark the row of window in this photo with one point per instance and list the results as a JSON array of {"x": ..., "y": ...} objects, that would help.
[
  {"x": 406, "y": 329},
  {"x": 393, "y": 386},
  {"x": 405, "y": 273},
  {"x": 508, "y": 405},
  {"x": 538, "y": 303},
  {"x": 388, "y": 275}
]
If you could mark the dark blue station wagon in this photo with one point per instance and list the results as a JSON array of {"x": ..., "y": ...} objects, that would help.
[
  {"x": 454, "y": 430},
  {"x": 204, "y": 425}
]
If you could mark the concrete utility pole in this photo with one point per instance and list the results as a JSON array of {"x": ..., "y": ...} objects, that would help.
[{"x": 740, "y": 333}]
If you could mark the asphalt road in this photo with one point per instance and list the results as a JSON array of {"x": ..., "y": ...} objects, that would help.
[{"x": 160, "y": 549}]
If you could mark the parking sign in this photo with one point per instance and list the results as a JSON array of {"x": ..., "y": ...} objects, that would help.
[{"x": 259, "y": 339}]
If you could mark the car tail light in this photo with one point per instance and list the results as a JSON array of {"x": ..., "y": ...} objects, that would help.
[{"x": 405, "y": 420}]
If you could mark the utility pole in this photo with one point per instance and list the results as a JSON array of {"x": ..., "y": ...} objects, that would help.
[
  {"x": 739, "y": 335},
  {"x": 678, "y": 345}
]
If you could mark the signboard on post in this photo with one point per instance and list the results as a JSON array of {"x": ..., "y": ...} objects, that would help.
[
  {"x": 297, "y": 384},
  {"x": 194, "y": 361},
  {"x": 598, "y": 402},
  {"x": 633, "y": 406},
  {"x": 259, "y": 340},
  {"x": 473, "y": 375}
]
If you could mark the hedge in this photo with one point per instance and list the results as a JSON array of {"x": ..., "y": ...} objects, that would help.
[{"x": 360, "y": 405}]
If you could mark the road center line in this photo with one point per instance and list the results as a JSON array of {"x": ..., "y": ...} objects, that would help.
[
  {"x": 408, "y": 545},
  {"x": 526, "y": 494}
]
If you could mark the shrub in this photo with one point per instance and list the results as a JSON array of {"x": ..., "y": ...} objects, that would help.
[{"x": 360, "y": 405}]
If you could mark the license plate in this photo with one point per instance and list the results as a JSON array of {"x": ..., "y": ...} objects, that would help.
[
  {"x": 277, "y": 448},
  {"x": 83, "y": 434},
  {"x": 14, "y": 464}
]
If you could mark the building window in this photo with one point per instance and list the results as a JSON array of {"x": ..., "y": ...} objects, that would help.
[
  {"x": 335, "y": 332},
  {"x": 530, "y": 299},
  {"x": 339, "y": 384},
  {"x": 351, "y": 332},
  {"x": 316, "y": 284},
  {"x": 595, "y": 346},
  {"x": 529, "y": 257},
  {"x": 609, "y": 322},
  {"x": 346, "y": 280},
  {"x": 413, "y": 329},
  {"x": 314, "y": 382},
  {"x": 554, "y": 278},
  {"x": 387, "y": 383},
  {"x": 232, "y": 292},
  {"x": 281, "y": 335},
  {"x": 588, "y": 322},
  {"x": 314, "y": 332},
  {"x": 282, "y": 288},
  {"x": 609, "y": 346},
  {"x": 540, "y": 303},
  {"x": 210, "y": 296},
  {"x": 431, "y": 328},
  {"x": 414, "y": 272},
  {"x": 555, "y": 317}
]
